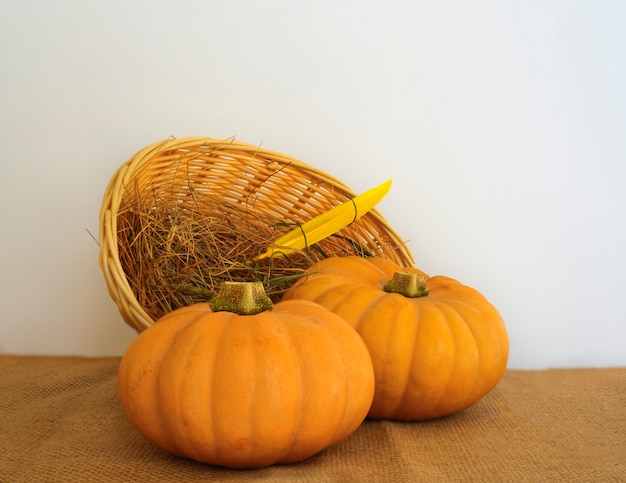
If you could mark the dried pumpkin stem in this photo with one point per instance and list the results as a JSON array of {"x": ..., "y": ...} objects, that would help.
[
  {"x": 410, "y": 285},
  {"x": 242, "y": 298},
  {"x": 196, "y": 292}
]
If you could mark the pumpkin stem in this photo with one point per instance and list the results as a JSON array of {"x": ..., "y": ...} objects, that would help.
[
  {"x": 196, "y": 292},
  {"x": 410, "y": 285},
  {"x": 241, "y": 298}
]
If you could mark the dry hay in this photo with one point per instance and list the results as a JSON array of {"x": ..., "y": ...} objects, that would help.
[{"x": 177, "y": 252}]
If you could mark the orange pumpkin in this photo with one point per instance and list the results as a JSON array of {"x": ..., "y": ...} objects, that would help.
[
  {"x": 437, "y": 346},
  {"x": 243, "y": 386}
]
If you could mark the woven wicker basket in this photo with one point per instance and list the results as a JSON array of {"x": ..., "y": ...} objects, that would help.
[{"x": 283, "y": 188}]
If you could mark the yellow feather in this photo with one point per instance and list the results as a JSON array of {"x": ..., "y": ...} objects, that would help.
[{"x": 328, "y": 223}]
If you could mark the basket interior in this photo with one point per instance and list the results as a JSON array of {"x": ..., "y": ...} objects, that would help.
[{"x": 240, "y": 198}]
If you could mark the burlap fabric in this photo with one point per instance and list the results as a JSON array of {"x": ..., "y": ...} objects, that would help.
[{"x": 60, "y": 421}]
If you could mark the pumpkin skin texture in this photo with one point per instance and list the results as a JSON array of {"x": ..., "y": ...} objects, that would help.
[
  {"x": 433, "y": 355},
  {"x": 247, "y": 391}
]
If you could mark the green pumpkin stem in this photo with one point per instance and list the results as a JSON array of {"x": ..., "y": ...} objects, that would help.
[
  {"x": 241, "y": 298},
  {"x": 410, "y": 285}
]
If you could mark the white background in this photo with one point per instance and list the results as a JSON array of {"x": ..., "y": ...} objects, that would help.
[{"x": 502, "y": 124}]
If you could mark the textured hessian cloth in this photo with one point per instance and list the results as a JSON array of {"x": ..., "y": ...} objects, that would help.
[{"x": 60, "y": 421}]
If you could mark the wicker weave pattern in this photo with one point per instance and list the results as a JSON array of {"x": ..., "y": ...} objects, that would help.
[{"x": 278, "y": 186}]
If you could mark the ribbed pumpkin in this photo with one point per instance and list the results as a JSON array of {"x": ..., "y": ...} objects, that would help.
[
  {"x": 437, "y": 346},
  {"x": 242, "y": 385}
]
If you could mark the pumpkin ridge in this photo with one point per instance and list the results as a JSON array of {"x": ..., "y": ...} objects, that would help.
[
  {"x": 343, "y": 430},
  {"x": 401, "y": 399},
  {"x": 474, "y": 380},
  {"x": 209, "y": 370},
  {"x": 490, "y": 311},
  {"x": 353, "y": 288},
  {"x": 422, "y": 323},
  {"x": 171, "y": 437},
  {"x": 289, "y": 337},
  {"x": 258, "y": 366},
  {"x": 325, "y": 283},
  {"x": 282, "y": 319},
  {"x": 362, "y": 316},
  {"x": 130, "y": 383},
  {"x": 381, "y": 301},
  {"x": 227, "y": 319},
  {"x": 336, "y": 436},
  {"x": 246, "y": 329},
  {"x": 324, "y": 338},
  {"x": 209, "y": 415},
  {"x": 346, "y": 268},
  {"x": 217, "y": 356}
]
